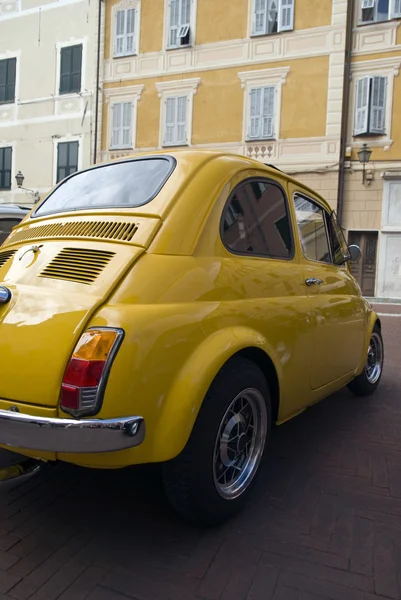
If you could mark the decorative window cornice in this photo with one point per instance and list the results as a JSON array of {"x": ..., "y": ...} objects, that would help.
[
  {"x": 130, "y": 92},
  {"x": 179, "y": 86},
  {"x": 377, "y": 66},
  {"x": 264, "y": 77}
]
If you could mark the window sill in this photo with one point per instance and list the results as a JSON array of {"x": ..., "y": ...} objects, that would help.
[
  {"x": 176, "y": 145},
  {"x": 371, "y": 23},
  {"x": 373, "y": 141},
  {"x": 258, "y": 35},
  {"x": 8, "y": 103},
  {"x": 116, "y": 56},
  {"x": 66, "y": 94},
  {"x": 263, "y": 139},
  {"x": 183, "y": 47},
  {"x": 118, "y": 148}
]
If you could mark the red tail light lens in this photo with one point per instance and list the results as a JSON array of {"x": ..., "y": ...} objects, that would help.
[{"x": 86, "y": 374}]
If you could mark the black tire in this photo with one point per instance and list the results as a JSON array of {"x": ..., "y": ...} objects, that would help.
[
  {"x": 189, "y": 479},
  {"x": 365, "y": 384}
]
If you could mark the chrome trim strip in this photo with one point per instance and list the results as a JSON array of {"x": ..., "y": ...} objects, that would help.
[{"x": 70, "y": 435}]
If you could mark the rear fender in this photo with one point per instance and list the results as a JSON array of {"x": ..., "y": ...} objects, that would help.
[{"x": 184, "y": 400}]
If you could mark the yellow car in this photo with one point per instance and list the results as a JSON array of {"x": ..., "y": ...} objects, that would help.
[{"x": 170, "y": 308}]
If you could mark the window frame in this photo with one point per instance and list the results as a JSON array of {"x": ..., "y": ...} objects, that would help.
[
  {"x": 2, "y": 171},
  {"x": 122, "y": 146},
  {"x": 326, "y": 216},
  {"x": 370, "y": 107},
  {"x": 60, "y": 47},
  {"x": 192, "y": 27},
  {"x": 136, "y": 6},
  {"x": 57, "y": 159},
  {"x": 177, "y": 88},
  {"x": 280, "y": 28},
  {"x": 261, "y": 115},
  {"x": 8, "y": 60},
  {"x": 391, "y": 14},
  {"x": 270, "y": 181}
]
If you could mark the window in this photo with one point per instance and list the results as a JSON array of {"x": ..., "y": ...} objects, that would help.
[
  {"x": 179, "y": 23},
  {"x": 312, "y": 230},
  {"x": 70, "y": 69},
  {"x": 272, "y": 16},
  {"x": 7, "y": 80},
  {"x": 261, "y": 113},
  {"x": 256, "y": 221},
  {"x": 375, "y": 11},
  {"x": 370, "y": 106},
  {"x": 124, "y": 184},
  {"x": 121, "y": 136},
  {"x": 125, "y": 32},
  {"x": 5, "y": 168},
  {"x": 338, "y": 245},
  {"x": 67, "y": 159},
  {"x": 175, "y": 124},
  {"x": 6, "y": 226}
]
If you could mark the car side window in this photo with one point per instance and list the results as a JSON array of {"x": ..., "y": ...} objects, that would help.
[
  {"x": 256, "y": 221},
  {"x": 312, "y": 229},
  {"x": 6, "y": 226}
]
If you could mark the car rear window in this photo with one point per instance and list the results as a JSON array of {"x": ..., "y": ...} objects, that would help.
[{"x": 116, "y": 185}]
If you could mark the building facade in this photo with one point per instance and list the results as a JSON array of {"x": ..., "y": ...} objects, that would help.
[
  {"x": 302, "y": 84},
  {"x": 48, "y": 60}
]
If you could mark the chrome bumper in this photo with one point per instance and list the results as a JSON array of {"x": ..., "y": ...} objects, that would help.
[{"x": 70, "y": 435}]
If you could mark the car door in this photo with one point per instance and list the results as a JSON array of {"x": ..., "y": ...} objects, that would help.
[
  {"x": 337, "y": 308},
  {"x": 262, "y": 275}
]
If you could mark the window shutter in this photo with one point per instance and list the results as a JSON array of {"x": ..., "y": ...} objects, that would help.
[
  {"x": 130, "y": 31},
  {"x": 182, "y": 103},
  {"x": 260, "y": 14},
  {"x": 268, "y": 112},
  {"x": 378, "y": 105},
  {"x": 367, "y": 4},
  {"x": 174, "y": 23},
  {"x": 116, "y": 125},
  {"x": 127, "y": 124},
  {"x": 185, "y": 13},
  {"x": 395, "y": 9},
  {"x": 286, "y": 17},
  {"x": 255, "y": 101},
  {"x": 362, "y": 106},
  {"x": 170, "y": 124},
  {"x": 120, "y": 31}
]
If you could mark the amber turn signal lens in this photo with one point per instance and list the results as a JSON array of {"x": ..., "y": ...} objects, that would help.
[{"x": 95, "y": 344}]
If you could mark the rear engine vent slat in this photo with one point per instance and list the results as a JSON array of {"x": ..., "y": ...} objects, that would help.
[
  {"x": 79, "y": 266},
  {"x": 5, "y": 256},
  {"x": 106, "y": 230}
]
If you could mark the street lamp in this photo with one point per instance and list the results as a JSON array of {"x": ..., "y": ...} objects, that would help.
[
  {"x": 20, "y": 180},
  {"x": 364, "y": 157}
]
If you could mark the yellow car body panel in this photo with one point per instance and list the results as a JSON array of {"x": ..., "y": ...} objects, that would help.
[{"x": 186, "y": 304}]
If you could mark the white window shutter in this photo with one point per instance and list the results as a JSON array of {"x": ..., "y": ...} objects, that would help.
[
  {"x": 182, "y": 103},
  {"x": 170, "y": 120},
  {"x": 255, "y": 113},
  {"x": 378, "y": 105},
  {"x": 395, "y": 9},
  {"x": 119, "y": 32},
  {"x": 362, "y": 106},
  {"x": 116, "y": 125},
  {"x": 260, "y": 15},
  {"x": 269, "y": 94},
  {"x": 286, "y": 15},
  {"x": 174, "y": 22},
  {"x": 130, "y": 18},
  {"x": 127, "y": 124},
  {"x": 185, "y": 13}
]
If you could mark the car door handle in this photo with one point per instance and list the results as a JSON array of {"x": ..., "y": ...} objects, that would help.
[{"x": 313, "y": 281}]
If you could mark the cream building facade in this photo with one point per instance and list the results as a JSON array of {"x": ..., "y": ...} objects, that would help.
[{"x": 48, "y": 60}]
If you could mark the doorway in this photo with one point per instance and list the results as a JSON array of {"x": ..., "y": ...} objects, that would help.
[{"x": 364, "y": 271}]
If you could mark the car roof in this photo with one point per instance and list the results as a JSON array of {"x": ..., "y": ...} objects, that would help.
[{"x": 207, "y": 155}]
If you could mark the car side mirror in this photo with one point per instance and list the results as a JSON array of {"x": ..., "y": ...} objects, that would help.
[{"x": 354, "y": 253}]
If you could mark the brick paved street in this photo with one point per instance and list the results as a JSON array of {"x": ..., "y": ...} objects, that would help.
[{"x": 325, "y": 521}]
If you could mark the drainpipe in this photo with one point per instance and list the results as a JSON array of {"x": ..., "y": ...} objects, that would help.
[
  {"x": 99, "y": 22},
  {"x": 345, "y": 106}
]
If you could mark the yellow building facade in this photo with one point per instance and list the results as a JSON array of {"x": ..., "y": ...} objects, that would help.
[{"x": 268, "y": 79}]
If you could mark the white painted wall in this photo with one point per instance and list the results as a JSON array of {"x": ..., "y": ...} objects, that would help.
[{"x": 34, "y": 31}]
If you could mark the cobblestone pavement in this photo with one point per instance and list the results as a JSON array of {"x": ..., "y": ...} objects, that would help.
[{"x": 324, "y": 522}]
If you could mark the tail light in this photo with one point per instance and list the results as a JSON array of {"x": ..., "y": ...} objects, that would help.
[{"x": 86, "y": 374}]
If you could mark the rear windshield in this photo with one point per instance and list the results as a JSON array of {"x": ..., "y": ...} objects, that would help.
[{"x": 117, "y": 185}]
